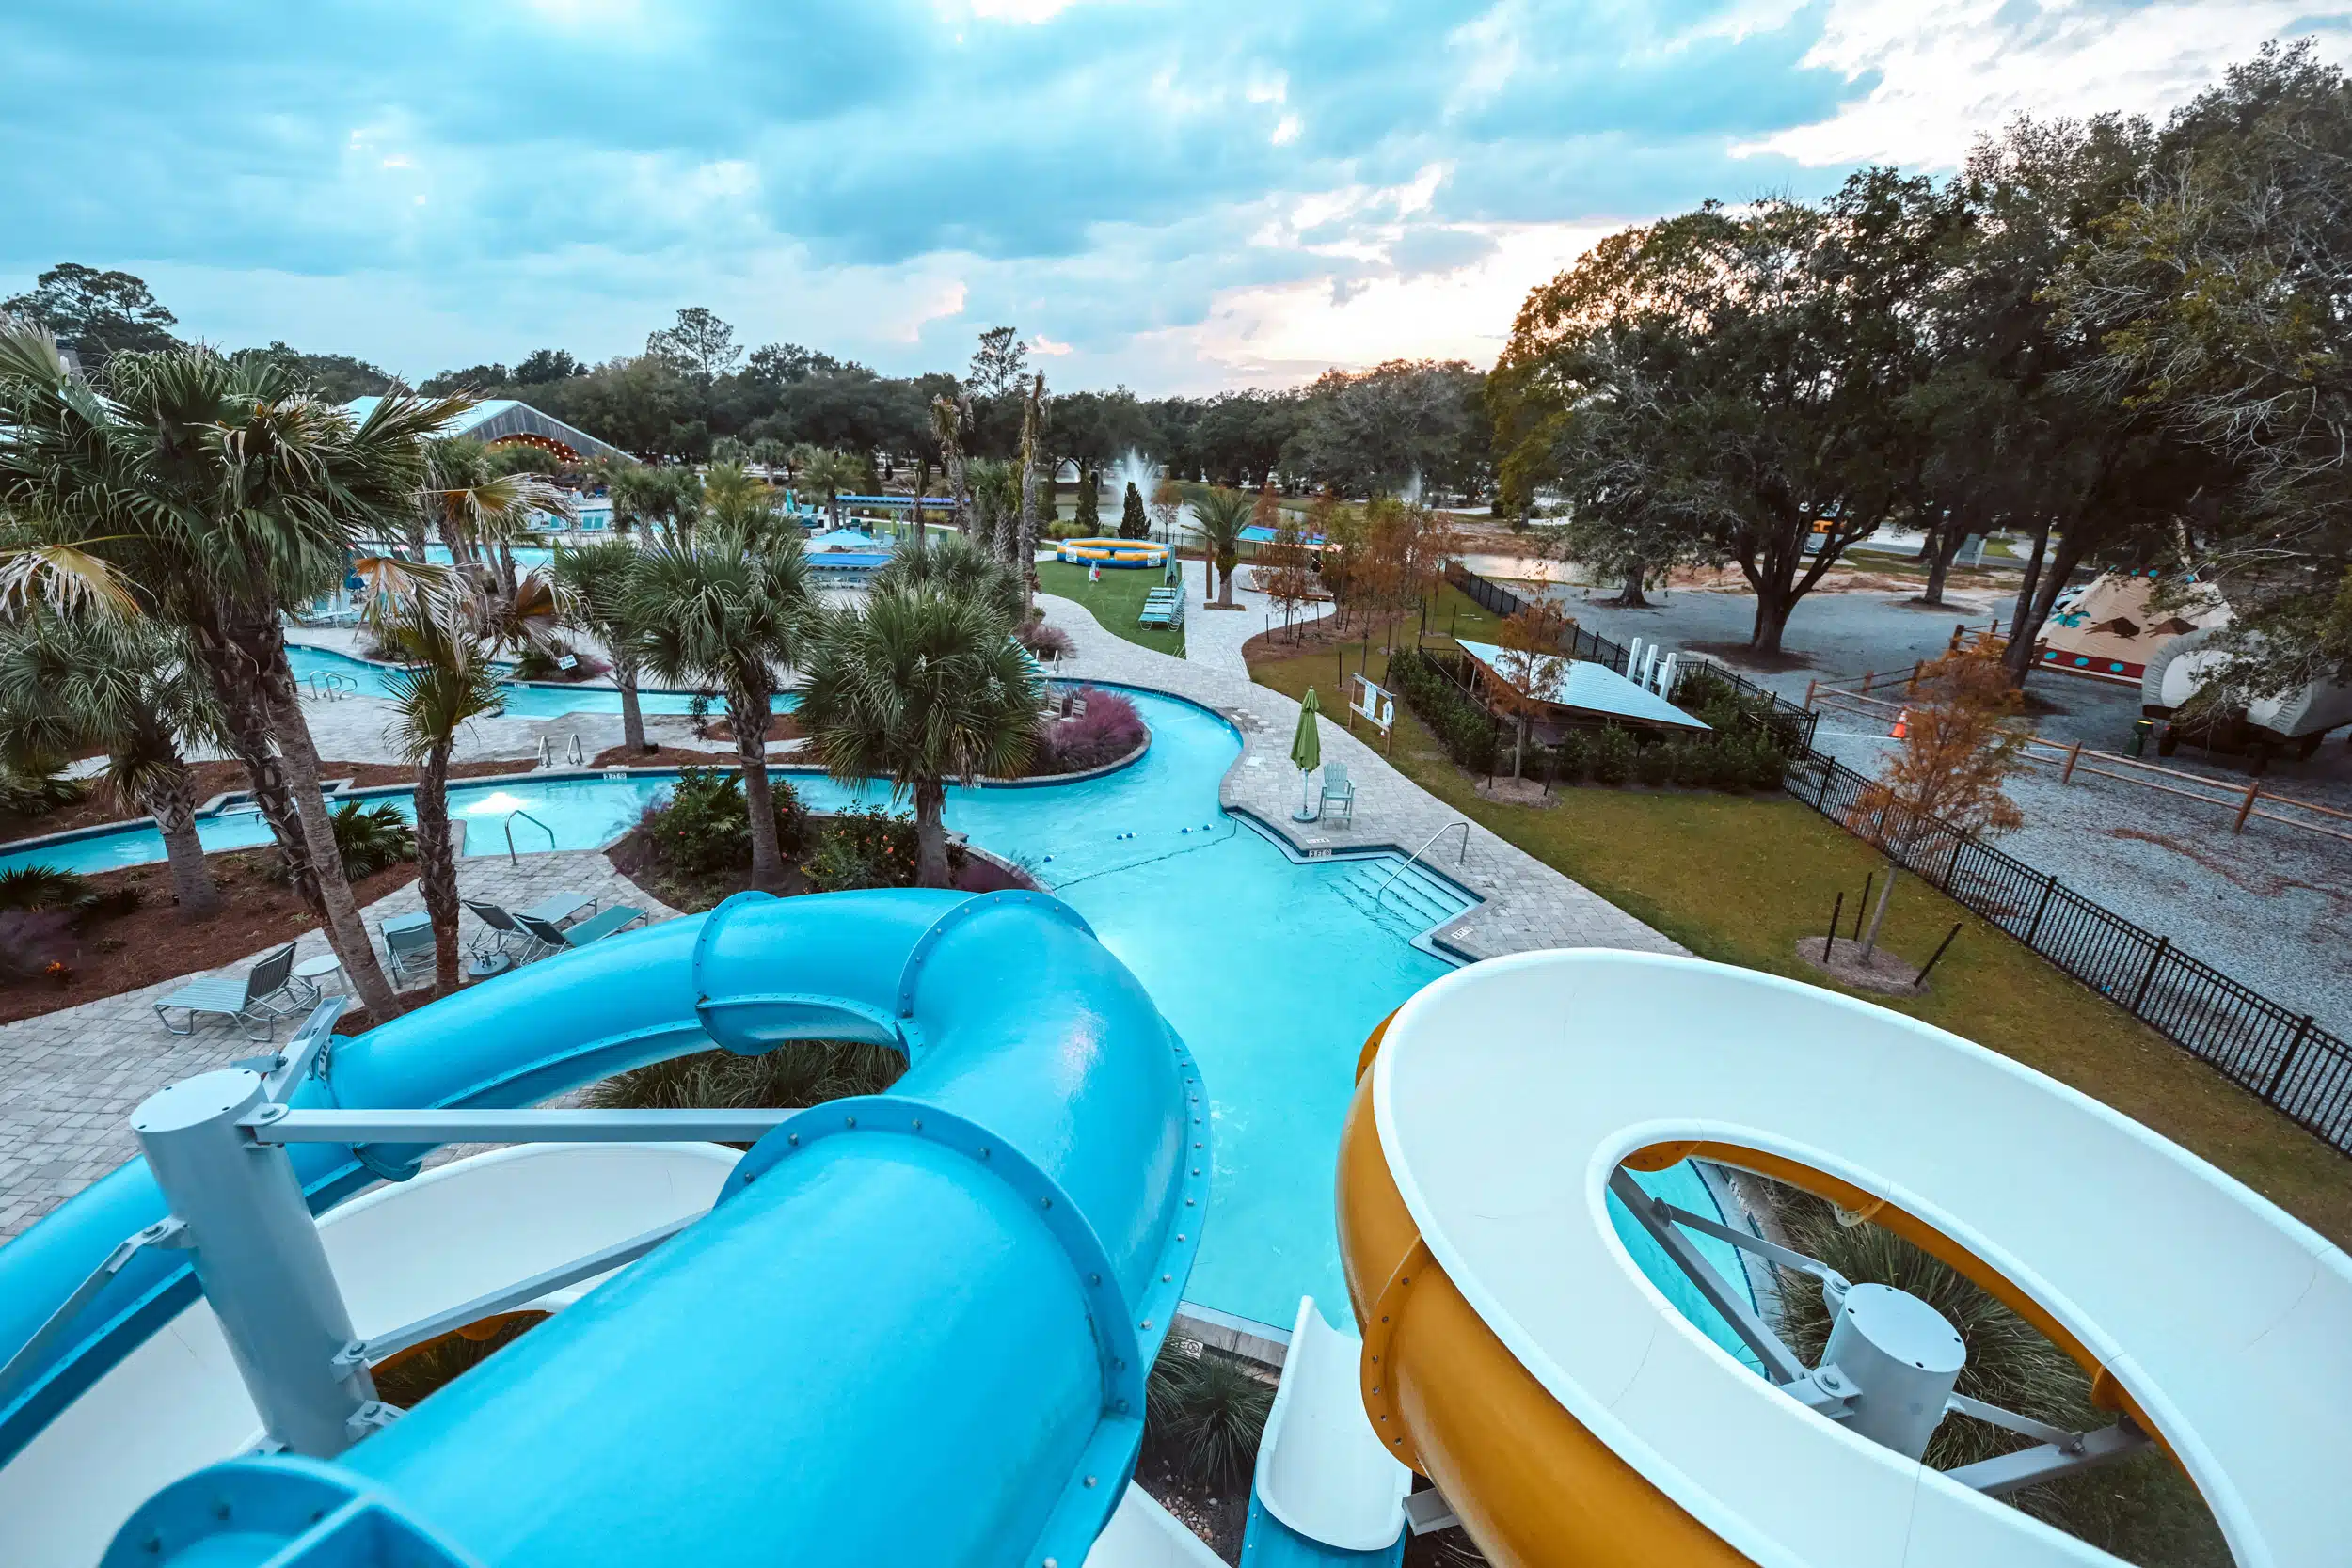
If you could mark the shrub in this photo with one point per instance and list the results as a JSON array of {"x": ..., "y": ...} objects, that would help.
[
  {"x": 31, "y": 940},
  {"x": 1460, "y": 725},
  {"x": 370, "y": 838},
  {"x": 43, "y": 887},
  {"x": 867, "y": 847},
  {"x": 794, "y": 1074},
  {"x": 1654, "y": 764},
  {"x": 1767, "y": 765},
  {"x": 1043, "y": 641},
  {"x": 1612, "y": 756},
  {"x": 536, "y": 663},
  {"x": 1205, "y": 1416},
  {"x": 35, "y": 786},
  {"x": 1109, "y": 729},
  {"x": 702, "y": 826},
  {"x": 1572, "y": 759}
]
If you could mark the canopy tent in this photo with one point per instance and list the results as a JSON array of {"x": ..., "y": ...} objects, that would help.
[
  {"x": 497, "y": 419},
  {"x": 1578, "y": 686}
]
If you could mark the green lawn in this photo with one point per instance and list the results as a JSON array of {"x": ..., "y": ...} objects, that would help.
[
  {"x": 1740, "y": 880},
  {"x": 1115, "y": 601}
]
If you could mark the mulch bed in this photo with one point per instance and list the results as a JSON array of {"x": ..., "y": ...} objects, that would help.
[
  {"x": 1740, "y": 656},
  {"x": 1323, "y": 632},
  {"x": 1220, "y": 1519},
  {"x": 662, "y": 756},
  {"x": 154, "y": 942}
]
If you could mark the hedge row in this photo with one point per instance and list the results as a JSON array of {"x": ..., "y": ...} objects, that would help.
[{"x": 1460, "y": 725}]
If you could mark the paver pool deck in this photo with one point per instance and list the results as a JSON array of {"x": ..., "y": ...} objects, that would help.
[{"x": 69, "y": 1079}]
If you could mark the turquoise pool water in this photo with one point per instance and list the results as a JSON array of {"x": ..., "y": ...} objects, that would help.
[
  {"x": 522, "y": 701},
  {"x": 1272, "y": 970}
]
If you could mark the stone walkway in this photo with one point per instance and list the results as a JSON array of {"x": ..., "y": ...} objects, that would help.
[
  {"x": 1527, "y": 904},
  {"x": 69, "y": 1080},
  {"x": 1214, "y": 637}
]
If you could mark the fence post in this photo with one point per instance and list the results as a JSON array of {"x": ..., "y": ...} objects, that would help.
[
  {"x": 2072, "y": 756},
  {"x": 2246, "y": 807},
  {"x": 1951, "y": 862},
  {"x": 1810, "y": 686},
  {"x": 2164, "y": 945},
  {"x": 1912, "y": 685},
  {"x": 2034, "y": 928},
  {"x": 1821, "y": 803},
  {"x": 2286, "y": 1060}
]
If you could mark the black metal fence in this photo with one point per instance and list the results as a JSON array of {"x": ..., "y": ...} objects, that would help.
[
  {"x": 2284, "y": 1056},
  {"x": 2297, "y": 1066}
]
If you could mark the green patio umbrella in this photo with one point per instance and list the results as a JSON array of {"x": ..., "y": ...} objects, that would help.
[{"x": 1307, "y": 750}]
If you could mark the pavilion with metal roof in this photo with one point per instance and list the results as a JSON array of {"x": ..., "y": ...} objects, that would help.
[{"x": 508, "y": 421}]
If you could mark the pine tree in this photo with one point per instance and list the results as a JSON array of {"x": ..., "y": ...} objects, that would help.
[
  {"x": 1090, "y": 518},
  {"x": 1133, "y": 523}
]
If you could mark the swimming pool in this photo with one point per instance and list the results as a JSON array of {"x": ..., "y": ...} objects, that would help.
[
  {"x": 523, "y": 701},
  {"x": 1273, "y": 970}
]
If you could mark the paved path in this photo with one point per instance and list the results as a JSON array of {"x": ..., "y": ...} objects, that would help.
[
  {"x": 1527, "y": 904},
  {"x": 1214, "y": 638},
  {"x": 69, "y": 1080}
]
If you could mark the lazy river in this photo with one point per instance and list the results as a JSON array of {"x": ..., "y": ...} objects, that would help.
[{"x": 1273, "y": 970}]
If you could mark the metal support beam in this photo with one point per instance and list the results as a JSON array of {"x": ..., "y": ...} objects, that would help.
[
  {"x": 2013, "y": 1472},
  {"x": 302, "y": 1052},
  {"x": 1780, "y": 1362},
  {"x": 1771, "y": 1252},
  {"x": 256, "y": 1251},
  {"x": 2024, "y": 1426},
  {"x": 163, "y": 1233},
  {"x": 276, "y": 1124},
  {"x": 507, "y": 1297}
]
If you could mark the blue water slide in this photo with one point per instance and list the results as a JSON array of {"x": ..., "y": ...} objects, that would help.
[{"x": 914, "y": 1330}]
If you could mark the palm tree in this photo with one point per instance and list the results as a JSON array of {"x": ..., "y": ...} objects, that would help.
[
  {"x": 593, "y": 588},
  {"x": 223, "y": 493},
  {"x": 947, "y": 421},
  {"x": 726, "y": 609},
  {"x": 1219, "y": 518},
  {"x": 956, "y": 565},
  {"x": 69, "y": 681},
  {"x": 449, "y": 682},
  {"x": 824, "y": 471},
  {"x": 924, "y": 685}
]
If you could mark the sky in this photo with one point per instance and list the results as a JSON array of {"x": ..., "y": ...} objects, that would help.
[{"x": 1177, "y": 196}]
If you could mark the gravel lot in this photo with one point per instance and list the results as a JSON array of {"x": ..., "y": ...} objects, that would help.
[{"x": 2271, "y": 906}]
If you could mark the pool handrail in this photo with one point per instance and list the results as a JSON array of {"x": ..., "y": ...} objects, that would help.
[
  {"x": 511, "y": 857},
  {"x": 1461, "y": 822}
]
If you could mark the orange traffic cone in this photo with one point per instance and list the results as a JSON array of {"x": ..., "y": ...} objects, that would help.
[{"x": 1902, "y": 725}]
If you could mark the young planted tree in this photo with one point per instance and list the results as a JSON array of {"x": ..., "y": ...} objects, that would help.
[
  {"x": 1133, "y": 523},
  {"x": 1958, "y": 753},
  {"x": 1219, "y": 519},
  {"x": 1286, "y": 568},
  {"x": 127, "y": 685},
  {"x": 593, "y": 588},
  {"x": 923, "y": 686},
  {"x": 729, "y": 610},
  {"x": 1532, "y": 671},
  {"x": 1167, "y": 507},
  {"x": 448, "y": 683}
]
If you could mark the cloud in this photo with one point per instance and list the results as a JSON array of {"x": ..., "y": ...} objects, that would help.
[{"x": 1177, "y": 196}]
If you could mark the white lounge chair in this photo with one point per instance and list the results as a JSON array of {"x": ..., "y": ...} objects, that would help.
[{"x": 1325, "y": 1491}]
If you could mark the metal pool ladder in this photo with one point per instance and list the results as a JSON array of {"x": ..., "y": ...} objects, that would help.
[
  {"x": 510, "y": 834},
  {"x": 1462, "y": 823},
  {"x": 573, "y": 752},
  {"x": 332, "y": 687}
]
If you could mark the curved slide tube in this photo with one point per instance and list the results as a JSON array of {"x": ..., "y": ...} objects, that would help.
[
  {"x": 914, "y": 1330},
  {"x": 400, "y": 1253},
  {"x": 1515, "y": 1354}
]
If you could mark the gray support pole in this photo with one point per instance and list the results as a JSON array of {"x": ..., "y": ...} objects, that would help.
[{"x": 257, "y": 1255}]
